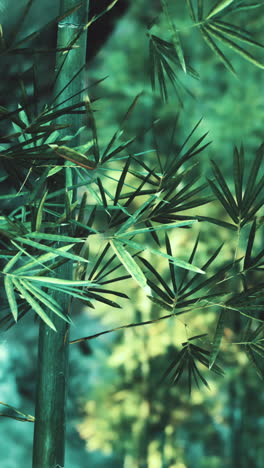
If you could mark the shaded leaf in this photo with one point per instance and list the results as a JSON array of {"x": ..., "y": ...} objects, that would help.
[{"x": 219, "y": 331}]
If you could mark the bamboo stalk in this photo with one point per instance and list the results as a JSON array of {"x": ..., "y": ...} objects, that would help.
[{"x": 49, "y": 431}]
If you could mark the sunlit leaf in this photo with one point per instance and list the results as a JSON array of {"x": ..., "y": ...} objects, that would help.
[
  {"x": 129, "y": 263},
  {"x": 9, "y": 289},
  {"x": 34, "y": 304},
  {"x": 218, "y": 8}
]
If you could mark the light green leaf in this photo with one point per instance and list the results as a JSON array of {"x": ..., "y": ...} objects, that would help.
[
  {"x": 12, "y": 262},
  {"x": 176, "y": 261},
  {"x": 40, "y": 212},
  {"x": 135, "y": 217},
  {"x": 219, "y": 7},
  {"x": 217, "y": 51},
  {"x": 246, "y": 55},
  {"x": 9, "y": 289},
  {"x": 174, "y": 35},
  {"x": 129, "y": 263},
  {"x": 57, "y": 252},
  {"x": 159, "y": 227},
  {"x": 46, "y": 299},
  {"x": 53, "y": 237},
  {"x": 47, "y": 280},
  {"x": 39, "y": 261},
  {"x": 34, "y": 304}
]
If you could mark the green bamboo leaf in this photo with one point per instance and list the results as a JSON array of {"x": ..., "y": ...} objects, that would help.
[
  {"x": 185, "y": 273},
  {"x": 136, "y": 216},
  {"x": 9, "y": 289},
  {"x": 160, "y": 293},
  {"x": 129, "y": 263},
  {"x": 12, "y": 262},
  {"x": 219, "y": 331},
  {"x": 160, "y": 303},
  {"x": 81, "y": 213},
  {"x": 39, "y": 214},
  {"x": 171, "y": 264},
  {"x": 121, "y": 181},
  {"x": 174, "y": 35},
  {"x": 53, "y": 237},
  {"x": 217, "y": 51},
  {"x": 107, "y": 154},
  {"x": 191, "y": 9},
  {"x": 104, "y": 300},
  {"x": 74, "y": 156},
  {"x": 52, "y": 282},
  {"x": 218, "y": 222},
  {"x": 152, "y": 232},
  {"x": 60, "y": 252},
  {"x": 252, "y": 359},
  {"x": 252, "y": 178},
  {"x": 200, "y": 9},
  {"x": 248, "y": 6},
  {"x": 102, "y": 192},
  {"x": 223, "y": 201},
  {"x": 218, "y": 7},
  {"x": 251, "y": 238},
  {"x": 221, "y": 181},
  {"x": 246, "y": 55},
  {"x": 253, "y": 211},
  {"x": 46, "y": 299},
  {"x": 33, "y": 304},
  {"x": 158, "y": 276},
  {"x": 238, "y": 171},
  {"x": 160, "y": 227},
  {"x": 39, "y": 261},
  {"x": 176, "y": 261},
  {"x": 235, "y": 32},
  {"x": 258, "y": 348},
  {"x": 96, "y": 151}
]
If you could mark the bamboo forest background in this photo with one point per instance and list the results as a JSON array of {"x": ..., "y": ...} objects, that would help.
[{"x": 121, "y": 412}]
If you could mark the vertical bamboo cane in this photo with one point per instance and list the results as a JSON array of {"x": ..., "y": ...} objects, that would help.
[{"x": 49, "y": 433}]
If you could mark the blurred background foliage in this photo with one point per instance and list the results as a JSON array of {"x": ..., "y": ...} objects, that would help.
[{"x": 121, "y": 413}]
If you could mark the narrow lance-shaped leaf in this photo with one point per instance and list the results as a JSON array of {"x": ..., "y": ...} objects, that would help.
[
  {"x": 129, "y": 263},
  {"x": 246, "y": 55},
  {"x": 218, "y": 337},
  {"x": 39, "y": 214},
  {"x": 9, "y": 289},
  {"x": 159, "y": 227},
  {"x": 226, "y": 191},
  {"x": 238, "y": 171},
  {"x": 252, "y": 359},
  {"x": 219, "y": 7},
  {"x": 90, "y": 113},
  {"x": 250, "y": 243},
  {"x": 12, "y": 262},
  {"x": 34, "y": 304},
  {"x": 61, "y": 252},
  {"x": 43, "y": 297},
  {"x": 135, "y": 217},
  {"x": 191, "y": 9},
  {"x": 234, "y": 32},
  {"x": 175, "y": 35},
  {"x": 52, "y": 282},
  {"x": 217, "y": 51},
  {"x": 74, "y": 156},
  {"x": 176, "y": 261}
]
